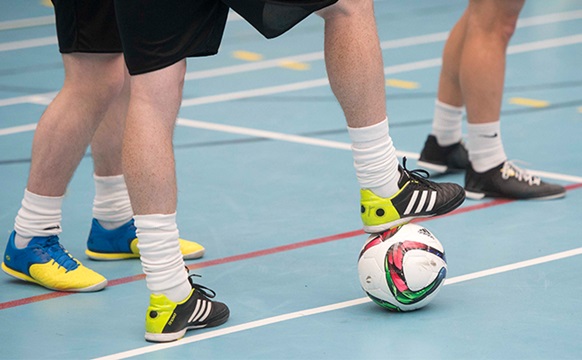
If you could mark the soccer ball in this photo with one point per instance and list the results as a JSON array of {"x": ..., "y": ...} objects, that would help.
[{"x": 403, "y": 268}]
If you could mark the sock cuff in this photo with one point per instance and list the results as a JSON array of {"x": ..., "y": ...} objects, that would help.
[
  {"x": 369, "y": 133},
  {"x": 42, "y": 200},
  {"x": 108, "y": 184},
  {"x": 484, "y": 128},
  {"x": 156, "y": 222},
  {"x": 457, "y": 110}
]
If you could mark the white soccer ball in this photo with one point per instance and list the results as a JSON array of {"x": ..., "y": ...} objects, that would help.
[{"x": 402, "y": 269}]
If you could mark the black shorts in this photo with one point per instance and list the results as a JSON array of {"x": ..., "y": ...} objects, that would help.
[{"x": 154, "y": 34}]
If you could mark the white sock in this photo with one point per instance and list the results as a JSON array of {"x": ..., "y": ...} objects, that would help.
[
  {"x": 161, "y": 258},
  {"x": 38, "y": 216},
  {"x": 375, "y": 159},
  {"x": 485, "y": 146},
  {"x": 446, "y": 124},
  {"x": 111, "y": 205}
]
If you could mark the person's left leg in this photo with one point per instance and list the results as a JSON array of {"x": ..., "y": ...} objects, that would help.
[{"x": 112, "y": 235}]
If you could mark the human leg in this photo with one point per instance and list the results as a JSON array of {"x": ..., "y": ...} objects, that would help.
[
  {"x": 355, "y": 70},
  {"x": 64, "y": 131}
]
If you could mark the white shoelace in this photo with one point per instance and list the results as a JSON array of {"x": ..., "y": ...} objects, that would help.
[{"x": 511, "y": 170}]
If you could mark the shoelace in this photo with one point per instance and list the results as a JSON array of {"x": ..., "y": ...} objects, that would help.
[
  {"x": 58, "y": 253},
  {"x": 418, "y": 175},
  {"x": 509, "y": 169},
  {"x": 209, "y": 293}
]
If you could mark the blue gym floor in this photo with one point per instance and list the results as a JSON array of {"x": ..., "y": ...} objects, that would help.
[{"x": 266, "y": 184}]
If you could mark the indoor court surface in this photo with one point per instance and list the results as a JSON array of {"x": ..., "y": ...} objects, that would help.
[{"x": 267, "y": 185}]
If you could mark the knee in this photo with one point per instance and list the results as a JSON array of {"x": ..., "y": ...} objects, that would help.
[
  {"x": 100, "y": 77},
  {"x": 496, "y": 18},
  {"x": 347, "y": 8}
]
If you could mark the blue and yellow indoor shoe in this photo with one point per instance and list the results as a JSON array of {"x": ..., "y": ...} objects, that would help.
[
  {"x": 418, "y": 197},
  {"x": 46, "y": 262},
  {"x": 121, "y": 243}
]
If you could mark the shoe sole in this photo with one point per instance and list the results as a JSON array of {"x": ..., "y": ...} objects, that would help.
[
  {"x": 20, "y": 276},
  {"x": 481, "y": 195},
  {"x": 168, "y": 337},
  {"x": 126, "y": 256},
  {"x": 452, "y": 205}
]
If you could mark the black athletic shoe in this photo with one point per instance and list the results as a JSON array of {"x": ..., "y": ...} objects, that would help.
[
  {"x": 418, "y": 197},
  {"x": 168, "y": 321},
  {"x": 443, "y": 159},
  {"x": 509, "y": 181}
]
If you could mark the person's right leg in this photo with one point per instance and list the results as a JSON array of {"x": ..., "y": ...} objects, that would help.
[
  {"x": 391, "y": 195},
  {"x": 149, "y": 168},
  {"x": 92, "y": 82}
]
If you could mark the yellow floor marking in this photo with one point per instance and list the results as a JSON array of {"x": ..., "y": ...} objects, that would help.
[
  {"x": 247, "y": 55},
  {"x": 402, "y": 84},
  {"x": 529, "y": 102},
  {"x": 47, "y": 3},
  {"x": 294, "y": 65}
]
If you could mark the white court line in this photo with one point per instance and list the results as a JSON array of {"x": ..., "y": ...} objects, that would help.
[
  {"x": 278, "y": 136},
  {"x": 18, "y": 129},
  {"x": 25, "y": 44},
  {"x": 40, "y": 99},
  {"x": 390, "y": 70},
  {"x": 323, "y": 309},
  {"x": 326, "y": 143},
  {"x": 28, "y": 22},
  {"x": 385, "y": 45}
]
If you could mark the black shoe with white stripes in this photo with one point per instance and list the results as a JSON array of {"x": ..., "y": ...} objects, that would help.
[
  {"x": 168, "y": 321},
  {"x": 418, "y": 197}
]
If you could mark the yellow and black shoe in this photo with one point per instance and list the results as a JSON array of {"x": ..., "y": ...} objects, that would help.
[
  {"x": 46, "y": 262},
  {"x": 168, "y": 321},
  {"x": 418, "y": 197},
  {"x": 121, "y": 243}
]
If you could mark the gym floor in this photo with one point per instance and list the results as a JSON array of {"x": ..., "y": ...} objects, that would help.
[{"x": 266, "y": 184}]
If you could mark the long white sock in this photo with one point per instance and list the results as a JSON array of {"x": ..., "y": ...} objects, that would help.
[
  {"x": 161, "y": 258},
  {"x": 447, "y": 123},
  {"x": 111, "y": 205},
  {"x": 375, "y": 159},
  {"x": 38, "y": 216},
  {"x": 485, "y": 146}
]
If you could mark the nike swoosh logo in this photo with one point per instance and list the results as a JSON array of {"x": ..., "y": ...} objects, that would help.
[
  {"x": 489, "y": 136},
  {"x": 56, "y": 227}
]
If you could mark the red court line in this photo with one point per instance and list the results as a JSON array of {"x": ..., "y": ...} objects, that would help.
[{"x": 259, "y": 253}]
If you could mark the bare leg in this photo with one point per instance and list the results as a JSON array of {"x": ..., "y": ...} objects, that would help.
[
  {"x": 65, "y": 129},
  {"x": 106, "y": 145},
  {"x": 147, "y": 150},
  {"x": 481, "y": 37},
  {"x": 149, "y": 168},
  {"x": 354, "y": 61}
]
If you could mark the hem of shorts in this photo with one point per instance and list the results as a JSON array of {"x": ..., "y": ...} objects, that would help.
[
  {"x": 167, "y": 63},
  {"x": 89, "y": 51}
]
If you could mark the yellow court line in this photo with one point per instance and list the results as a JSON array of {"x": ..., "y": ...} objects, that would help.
[
  {"x": 529, "y": 102},
  {"x": 247, "y": 55},
  {"x": 294, "y": 65},
  {"x": 402, "y": 84}
]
